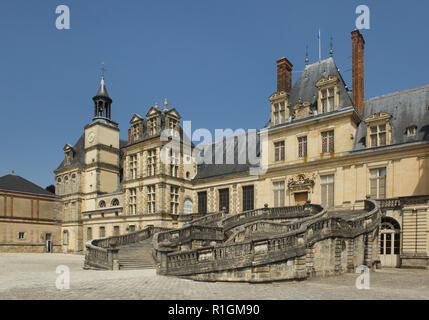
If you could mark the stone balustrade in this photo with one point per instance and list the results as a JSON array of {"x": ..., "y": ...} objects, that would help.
[
  {"x": 102, "y": 253},
  {"x": 274, "y": 249}
]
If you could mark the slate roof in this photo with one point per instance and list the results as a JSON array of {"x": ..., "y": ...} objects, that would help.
[
  {"x": 305, "y": 87},
  {"x": 12, "y": 182},
  {"x": 145, "y": 136},
  {"x": 102, "y": 91},
  {"x": 408, "y": 108},
  {"x": 79, "y": 153},
  {"x": 212, "y": 170}
]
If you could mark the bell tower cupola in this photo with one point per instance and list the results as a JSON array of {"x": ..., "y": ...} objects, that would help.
[{"x": 102, "y": 103}]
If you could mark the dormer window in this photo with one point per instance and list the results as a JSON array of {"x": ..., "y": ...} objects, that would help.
[
  {"x": 135, "y": 131},
  {"x": 379, "y": 130},
  {"x": 102, "y": 204},
  {"x": 279, "y": 108},
  {"x": 152, "y": 126},
  {"x": 68, "y": 154},
  {"x": 328, "y": 99},
  {"x": 279, "y": 113},
  {"x": 411, "y": 131}
]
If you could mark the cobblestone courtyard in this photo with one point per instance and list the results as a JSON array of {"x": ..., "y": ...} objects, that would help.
[{"x": 33, "y": 276}]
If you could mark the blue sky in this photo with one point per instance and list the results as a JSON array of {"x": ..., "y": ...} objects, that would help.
[{"x": 213, "y": 60}]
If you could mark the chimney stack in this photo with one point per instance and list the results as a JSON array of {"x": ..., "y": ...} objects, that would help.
[
  {"x": 358, "y": 70},
  {"x": 284, "y": 75}
]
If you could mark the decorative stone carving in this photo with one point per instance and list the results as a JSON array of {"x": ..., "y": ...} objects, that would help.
[
  {"x": 301, "y": 182},
  {"x": 302, "y": 110}
]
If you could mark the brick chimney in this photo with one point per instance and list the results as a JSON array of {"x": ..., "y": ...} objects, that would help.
[
  {"x": 284, "y": 75},
  {"x": 358, "y": 70}
]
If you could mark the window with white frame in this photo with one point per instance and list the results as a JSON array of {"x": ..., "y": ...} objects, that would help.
[
  {"x": 133, "y": 201},
  {"x": 174, "y": 163},
  {"x": 151, "y": 162},
  {"x": 133, "y": 166},
  {"x": 174, "y": 199},
  {"x": 378, "y": 183},
  {"x": 279, "y": 151},
  {"x": 279, "y": 194},
  {"x": 151, "y": 197},
  {"x": 328, "y": 144},
  {"x": 188, "y": 206},
  {"x": 378, "y": 135},
  {"x": 302, "y": 147},
  {"x": 327, "y": 192},
  {"x": 279, "y": 113},
  {"x": 327, "y": 99}
]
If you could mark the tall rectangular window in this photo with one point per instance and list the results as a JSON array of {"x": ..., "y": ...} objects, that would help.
[
  {"x": 279, "y": 194},
  {"x": 102, "y": 232},
  {"x": 89, "y": 233},
  {"x": 378, "y": 135},
  {"x": 133, "y": 166},
  {"x": 328, "y": 100},
  {"x": 202, "y": 202},
  {"x": 248, "y": 198},
  {"x": 279, "y": 151},
  {"x": 116, "y": 231},
  {"x": 151, "y": 199},
  {"x": 133, "y": 201},
  {"x": 224, "y": 199},
  {"x": 174, "y": 199},
  {"x": 328, "y": 142},
  {"x": 378, "y": 183},
  {"x": 279, "y": 113},
  {"x": 151, "y": 162},
  {"x": 302, "y": 147},
  {"x": 327, "y": 192},
  {"x": 174, "y": 163}
]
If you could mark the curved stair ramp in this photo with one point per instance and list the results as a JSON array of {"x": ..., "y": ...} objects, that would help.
[{"x": 315, "y": 242}]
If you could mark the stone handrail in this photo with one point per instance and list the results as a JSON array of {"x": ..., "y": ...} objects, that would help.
[
  {"x": 269, "y": 250},
  {"x": 268, "y": 226},
  {"x": 101, "y": 253},
  {"x": 266, "y": 213},
  {"x": 399, "y": 202}
]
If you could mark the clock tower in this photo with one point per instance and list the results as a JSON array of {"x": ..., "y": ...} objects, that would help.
[{"x": 102, "y": 147}]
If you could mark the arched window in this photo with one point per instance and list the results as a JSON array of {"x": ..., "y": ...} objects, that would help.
[
  {"x": 58, "y": 188},
  {"x": 102, "y": 204},
  {"x": 66, "y": 184},
  {"x": 188, "y": 206},
  {"x": 115, "y": 202},
  {"x": 65, "y": 237},
  {"x": 73, "y": 178}
]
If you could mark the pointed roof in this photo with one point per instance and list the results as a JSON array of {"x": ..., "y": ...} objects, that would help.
[
  {"x": 102, "y": 91},
  {"x": 13, "y": 182},
  {"x": 305, "y": 87}
]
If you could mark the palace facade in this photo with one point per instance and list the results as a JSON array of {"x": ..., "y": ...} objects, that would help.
[{"x": 323, "y": 143}]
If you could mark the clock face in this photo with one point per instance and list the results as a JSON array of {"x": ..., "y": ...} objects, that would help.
[{"x": 91, "y": 137}]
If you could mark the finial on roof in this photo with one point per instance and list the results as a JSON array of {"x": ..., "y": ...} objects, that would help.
[
  {"x": 156, "y": 105},
  {"x": 103, "y": 69},
  {"x": 306, "y": 56},
  {"x": 13, "y": 173},
  {"x": 165, "y": 104},
  {"x": 331, "y": 50}
]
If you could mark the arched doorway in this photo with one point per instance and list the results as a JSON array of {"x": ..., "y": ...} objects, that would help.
[{"x": 390, "y": 242}]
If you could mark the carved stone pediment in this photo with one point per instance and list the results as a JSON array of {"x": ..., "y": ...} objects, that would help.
[
  {"x": 301, "y": 182},
  {"x": 278, "y": 97},
  {"x": 302, "y": 110},
  {"x": 378, "y": 116},
  {"x": 327, "y": 82}
]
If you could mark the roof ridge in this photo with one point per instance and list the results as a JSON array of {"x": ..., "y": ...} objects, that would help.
[{"x": 398, "y": 92}]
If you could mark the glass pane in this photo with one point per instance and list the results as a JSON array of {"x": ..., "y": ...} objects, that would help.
[
  {"x": 388, "y": 243},
  {"x": 382, "y": 243},
  {"x": 397, "y": 243}
]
